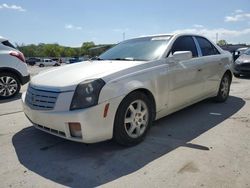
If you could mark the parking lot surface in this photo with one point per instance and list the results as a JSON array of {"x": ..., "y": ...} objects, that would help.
[{"x": 205, "y": 145}]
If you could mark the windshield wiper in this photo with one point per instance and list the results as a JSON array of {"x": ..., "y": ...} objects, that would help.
[
  {"x": 96, "y": 58},
  {"x": 128, "y": 59}
]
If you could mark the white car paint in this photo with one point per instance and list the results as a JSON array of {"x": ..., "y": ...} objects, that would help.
[
  {"x": 12, "y": 64},
  {"x": 173, "y": 84},
  {"x": 47, "y": 62},
  {"x": 9, "y": 61}
]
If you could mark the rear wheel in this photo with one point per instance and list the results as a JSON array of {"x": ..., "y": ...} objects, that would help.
[
  {"x": 41, "y": 65},
  {"x": 9, "y": 85},
  {"x": 224, "y": 89},
  {"x": 133, "y": 119}
]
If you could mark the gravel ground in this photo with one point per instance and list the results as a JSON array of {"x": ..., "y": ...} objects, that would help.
[{"x": 205, "y": 145}]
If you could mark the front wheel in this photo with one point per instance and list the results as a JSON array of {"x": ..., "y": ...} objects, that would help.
[
  {"x": 133, "y": 119},
  {"x": 9, "y": 85},
  {"x": 224, "y": 89}
]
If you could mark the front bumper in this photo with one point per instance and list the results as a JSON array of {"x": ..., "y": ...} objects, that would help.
[
  {"x": 94, "y": 126},
  {"x": 243, "y": 68}
]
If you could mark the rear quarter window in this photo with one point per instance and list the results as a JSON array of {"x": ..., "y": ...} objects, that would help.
[{"x": 7, "y": 43}]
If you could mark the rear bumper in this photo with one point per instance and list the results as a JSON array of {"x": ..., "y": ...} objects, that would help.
[{"x": 25, "y": 79}]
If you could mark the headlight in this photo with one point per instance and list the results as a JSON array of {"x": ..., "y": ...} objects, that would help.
[{"x": 87, "y": 94}]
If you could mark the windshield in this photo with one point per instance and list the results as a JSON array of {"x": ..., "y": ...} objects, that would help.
[
  {"x": 141, "y": 49},
  {"x": 247, "y": 52}
]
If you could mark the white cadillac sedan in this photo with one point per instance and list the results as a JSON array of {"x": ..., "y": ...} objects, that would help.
[{"x": 125, "y": 89}]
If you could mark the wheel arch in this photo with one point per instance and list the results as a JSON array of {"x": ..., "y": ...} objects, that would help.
[
  {"x": 146, "y": 92},
  {"x": 12, "y": 71},
  {"x": 229, "y": 73}
]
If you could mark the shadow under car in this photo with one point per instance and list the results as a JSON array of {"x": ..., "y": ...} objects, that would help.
[{"x": 80, "y": 165}]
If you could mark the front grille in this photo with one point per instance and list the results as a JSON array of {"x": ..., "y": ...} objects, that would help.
[
  {"x": 40, "y": 99},
  {"x": 47, "y": 129},
  {"x": 245, "y": 65}
]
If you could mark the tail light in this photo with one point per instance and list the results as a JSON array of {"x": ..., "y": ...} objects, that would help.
[{"x": 18, "y": 55}]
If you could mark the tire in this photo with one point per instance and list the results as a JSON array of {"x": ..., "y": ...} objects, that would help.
[
  {"x": 224, "y": 89},
  {"x": 41, "y": 65},
  {"x": 236, "y": 75},
  {"x": 138, "y": 119},
  {"x": 9, "y": 85}
]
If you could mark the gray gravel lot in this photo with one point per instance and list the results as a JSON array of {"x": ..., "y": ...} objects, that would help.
[{"x": 205, "y": 145}]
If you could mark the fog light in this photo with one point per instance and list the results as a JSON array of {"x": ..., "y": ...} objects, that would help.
[{"x": 75, "y": 130}]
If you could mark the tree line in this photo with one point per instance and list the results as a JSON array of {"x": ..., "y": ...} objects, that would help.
[{"x": 56, "y": 50}]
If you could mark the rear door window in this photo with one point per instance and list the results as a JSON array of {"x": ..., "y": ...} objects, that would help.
[
  {"x": 185, "y": 43},
  {"x": 207, "y": 48}
]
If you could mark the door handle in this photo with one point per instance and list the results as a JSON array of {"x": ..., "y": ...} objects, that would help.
[{"x": 199, "y": 70}]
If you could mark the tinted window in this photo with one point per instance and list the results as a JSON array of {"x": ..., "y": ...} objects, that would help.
[
  {"x": 7, "y": 43},
  {"x": 185, "y": 43},
  {"x": 207, "y": 48}
]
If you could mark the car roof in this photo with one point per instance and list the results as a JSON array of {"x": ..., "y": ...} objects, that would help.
[
  {"x": 2, "y": 39},
  {"x": 172, "y": 35},
  {"x": 239, "y": 49}
]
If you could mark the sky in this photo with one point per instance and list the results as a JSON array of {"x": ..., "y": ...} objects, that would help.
[{"x": 71, "y": 23}]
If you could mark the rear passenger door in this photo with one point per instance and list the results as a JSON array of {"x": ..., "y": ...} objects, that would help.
[
  {"x": 186, "y": 82},
  {"x": 212, "y": 64}
]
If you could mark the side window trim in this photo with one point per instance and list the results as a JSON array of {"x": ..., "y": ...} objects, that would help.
[
  {"x": 197, "y": 47},
  {"x": 211, "y": 44},
  {"x": 170, "y": 51}
]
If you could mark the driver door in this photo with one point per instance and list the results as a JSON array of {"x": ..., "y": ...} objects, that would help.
[{"x": 186, "y": 84}]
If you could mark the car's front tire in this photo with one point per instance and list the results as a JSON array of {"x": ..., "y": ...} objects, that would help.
[
  {"x": 224, "y": 89},
  {"x": 9, "y": 85},
  {"x": 133, "y": 119}
]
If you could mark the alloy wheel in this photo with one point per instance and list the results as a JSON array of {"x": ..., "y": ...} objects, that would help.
[
  {"x": 136, "y": 118},
  {"x": 8, "y": 86},
  {"x": 225, "y": 86}
]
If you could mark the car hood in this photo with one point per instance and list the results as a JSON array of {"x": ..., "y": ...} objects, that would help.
[
  {"x": 244, "y": 58},
  {"x": 66, "y": 78}
]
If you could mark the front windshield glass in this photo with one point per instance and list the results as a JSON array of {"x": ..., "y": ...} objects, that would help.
[
  {"x": 141, "y": 49},
  {"x": 247, "y": 51}
]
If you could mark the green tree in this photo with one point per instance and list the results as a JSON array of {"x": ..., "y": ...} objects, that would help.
[
  {"x": 52, "y": 50},
  {"x": 222, "y": 42},
  {"x": 55, "y": 50},
  {"x": 85, "y": 47}
]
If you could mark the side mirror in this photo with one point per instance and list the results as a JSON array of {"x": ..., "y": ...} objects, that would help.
[
  {"x": 237, "y": 53},
  {"x": 182, "y": 55}
]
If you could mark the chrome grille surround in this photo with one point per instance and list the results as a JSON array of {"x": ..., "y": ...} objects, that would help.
[{"x": 38, "y": 99}]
